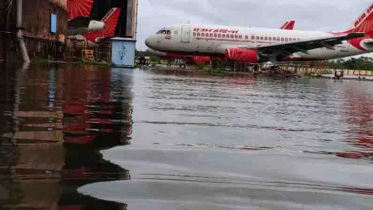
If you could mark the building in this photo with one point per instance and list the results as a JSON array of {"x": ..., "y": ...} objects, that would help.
[{"x": 44, "y": 23}]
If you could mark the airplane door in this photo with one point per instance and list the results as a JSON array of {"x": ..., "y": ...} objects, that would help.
[{"x": 185, "y": 34}]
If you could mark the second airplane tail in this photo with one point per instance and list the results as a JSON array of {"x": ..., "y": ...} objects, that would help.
[
  {"x": 111, "y": 21},
  {"x": 288, "y": 25}
]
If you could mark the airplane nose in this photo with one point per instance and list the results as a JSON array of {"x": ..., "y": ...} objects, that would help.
[
  {"x": 150, "y": 42},
  {"x": 147, "y": 42}
]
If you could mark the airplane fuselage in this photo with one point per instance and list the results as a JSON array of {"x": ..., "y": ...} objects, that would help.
[{"x": 215, "y": 40}]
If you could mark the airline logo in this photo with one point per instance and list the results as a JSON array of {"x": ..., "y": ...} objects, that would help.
[{"x": 363, "y": 16}]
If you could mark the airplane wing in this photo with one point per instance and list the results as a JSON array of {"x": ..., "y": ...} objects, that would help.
[{"x": 303, "y": 46}]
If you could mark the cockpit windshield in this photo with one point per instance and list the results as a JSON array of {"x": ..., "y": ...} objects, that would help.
[{"x": 163, "y": 31}]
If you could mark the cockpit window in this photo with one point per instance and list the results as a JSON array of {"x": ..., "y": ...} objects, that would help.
[{"x": 164, "y": 32}]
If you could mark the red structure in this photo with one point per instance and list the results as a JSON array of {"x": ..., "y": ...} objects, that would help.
[{"x": 78, "y": 8}]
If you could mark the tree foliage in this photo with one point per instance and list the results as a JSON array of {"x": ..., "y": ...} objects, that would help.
[{"x": 362, "y": 63}]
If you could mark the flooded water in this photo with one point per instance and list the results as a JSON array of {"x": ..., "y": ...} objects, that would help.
[{"x": 92, "y": 137}]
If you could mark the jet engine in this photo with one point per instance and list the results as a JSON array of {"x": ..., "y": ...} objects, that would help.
[{"x": 244, "y": 55}]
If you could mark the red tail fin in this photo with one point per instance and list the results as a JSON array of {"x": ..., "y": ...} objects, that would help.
[
  {"x": 364, "y": 23},
  {"x": 76, "y": 8},
  {"x": 288, "y": 25},
  {"x": 111, "y": 21}
]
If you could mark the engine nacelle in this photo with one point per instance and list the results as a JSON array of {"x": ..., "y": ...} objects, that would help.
[
  {"x": 201, "y": 59},
  {"x": 244, "y": 55}
]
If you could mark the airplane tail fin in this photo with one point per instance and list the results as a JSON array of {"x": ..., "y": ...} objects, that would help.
[
  {"x": 288, "y": 25},
  {"x": 364, "y": 23},
  {"x": 111, "y": 21}
]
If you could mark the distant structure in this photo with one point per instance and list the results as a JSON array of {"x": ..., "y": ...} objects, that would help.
[{"x": 44, "y": 28}]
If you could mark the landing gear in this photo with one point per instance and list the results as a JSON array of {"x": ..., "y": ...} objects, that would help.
[
  {"x": 168, "y": 64},
  {"x": 182, "y": 66}
]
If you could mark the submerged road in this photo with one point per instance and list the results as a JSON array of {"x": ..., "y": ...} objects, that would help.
[{"x": 143, "y": 139}]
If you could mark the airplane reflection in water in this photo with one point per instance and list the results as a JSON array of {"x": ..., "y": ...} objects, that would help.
[
  {"x": 359, "y": 116},
  {"x": 53, "y": 131}
]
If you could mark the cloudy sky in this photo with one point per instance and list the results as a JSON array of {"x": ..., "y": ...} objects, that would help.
[{"x": 325, "y": 15}]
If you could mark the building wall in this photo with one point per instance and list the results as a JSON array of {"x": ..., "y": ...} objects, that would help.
[{"x": 40, "y": 42}]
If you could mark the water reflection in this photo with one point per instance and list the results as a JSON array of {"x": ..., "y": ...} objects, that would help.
[
  {"x": 359, "y": 115},
  {"x": 54, "y": 120}
]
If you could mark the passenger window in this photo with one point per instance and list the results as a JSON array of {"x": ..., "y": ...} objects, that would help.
[
  {"x": 282, "y": 39},
  {"x": 236, "y": 36},
  {"x": 266, "y": 38},
  {"x": 270, "y": 38},
  {"x": 240, "y": 36},
  {"x": 203, "y": 34},
  {"x": 198, "y": 34},
  {"x": 215, "y": 35},
  {"x": 223, "y": 36},
  {"x": 278, "y": 39},
  {"x": 257, "y": 38},
  {"x": 211, "y": 35},
  {"x": 232, "y": 36},
  {"x": 246, "y": 37},
  {"x": 252, "y": 37},
  {"x": 219, "y": 35}
]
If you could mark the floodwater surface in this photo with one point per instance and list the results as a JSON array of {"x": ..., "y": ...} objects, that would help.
[{"x": 167, "y": 139}]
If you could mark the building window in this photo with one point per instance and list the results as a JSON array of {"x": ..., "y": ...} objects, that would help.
[
  {"x": 232, "y": 36},
  {"x": 53, "y": 23},
  {"x": 199, "y": 34},
  {"x": 211, "y": 35},
  {"x": 215, "y": 35},
  {"x": 203, "y": 34},
  {"x": 240, "y": 36},
  {"x": 246, "y": 37},
  {"x": 219, "y": 35},
  {"x": 223, "y": 35},
  {"x": 282, "y": 39}
]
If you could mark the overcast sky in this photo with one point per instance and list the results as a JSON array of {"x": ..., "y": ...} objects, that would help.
[{"x": 325, "y": 15}]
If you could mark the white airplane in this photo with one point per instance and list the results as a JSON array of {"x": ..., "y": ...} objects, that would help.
[
  {"x": 257, "y": 45},
  {"x": 288, "y": 25}
]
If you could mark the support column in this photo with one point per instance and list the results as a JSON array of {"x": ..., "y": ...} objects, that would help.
[{"x": 21, "y": 42}]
